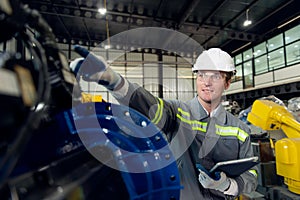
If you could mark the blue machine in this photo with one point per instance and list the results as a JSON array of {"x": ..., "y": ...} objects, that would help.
[
  {"x": 51, "y": 150},
  {"x": 121, "y": 154},
  {"x": 138, "y": 147}
]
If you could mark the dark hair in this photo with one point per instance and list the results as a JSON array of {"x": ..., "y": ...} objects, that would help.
[{"x": 228, "y": 76}]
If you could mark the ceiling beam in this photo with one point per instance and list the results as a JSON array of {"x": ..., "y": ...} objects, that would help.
[
  {"x": 214, "y": 10},
  {"x": 260, "y": 21},
  {"x": 84, "y": 24},
  {"x": 230, "y": 21},
  {"x": 61, "y": 21},
  {"x": 187, "y": 12}
]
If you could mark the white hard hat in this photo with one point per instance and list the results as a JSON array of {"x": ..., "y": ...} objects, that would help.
[{"x": 214, "y": 59}]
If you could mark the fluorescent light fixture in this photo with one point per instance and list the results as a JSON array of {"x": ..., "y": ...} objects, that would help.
[
  {"x": 286, "y": 23},
  {"x": 241, "y": 47},
  {"x": 102, "y": 11}
]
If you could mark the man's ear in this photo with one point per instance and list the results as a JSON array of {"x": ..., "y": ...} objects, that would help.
[{"x": 227, "y": 84}]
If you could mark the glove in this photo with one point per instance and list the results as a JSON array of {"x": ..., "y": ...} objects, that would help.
[
  {"x": 75, "y": 65},
  {"x": 221, "y": 183},
  {"x": 95, "y": 68}
]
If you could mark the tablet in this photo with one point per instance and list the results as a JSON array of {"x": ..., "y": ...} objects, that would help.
[{"x": 235, "y": 167}]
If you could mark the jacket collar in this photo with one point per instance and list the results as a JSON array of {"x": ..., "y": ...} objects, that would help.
[{"x": 200, "y": 113}]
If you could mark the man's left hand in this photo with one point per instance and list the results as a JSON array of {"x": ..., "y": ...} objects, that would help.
[{"x": 221, "y": 184}]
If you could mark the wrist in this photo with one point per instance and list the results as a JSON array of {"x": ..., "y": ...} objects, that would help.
[
  {"x": 232, "y": 190},
  {"x": 122, "y": 90},
  {"x": 225, "y": 185},
  {"x": 229, "y": 181}
]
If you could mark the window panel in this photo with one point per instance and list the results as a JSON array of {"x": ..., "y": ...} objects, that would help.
[
  {"x": 261, "y": 65},
  {"x": 293, "y": 53},
  {"x": 133, "y": 71},
  {"x": 260, "y": 49},
  {"x": 292, "y": 35},
  {"x": 183, "y": 60},
  {"x": 169, "y": 71},
  {"x": 186, "y": 95},
  {"x": 185, "y": 85},
  {"x": 184, "y": 72},
  {"x": 151, "y": 84},
  {"x": 169, "y": 84},
  {"x": 119, "y": 69},
  {"x": 151, "y": 70},
  {"x": 169, "y": 59},
  {"x": 275, "y": 42},
  {"x": 138, "y": 81},
  {"x": 155, "y": 93},
  {"x": 238, "y": 59},
  {"x": 186, "y": 60},
  {"x": 247, "y": 54},
  {"x": 169, "y": 95},
  {"x": 239, "y": 73},
  {"x": 150, "y": 57},
  {"x": 99, "y": 52},
  {"x": 134, "y": 56},
  {"x": 276, "y": 59},
  {"x": 248, "y": 74},
  {"x": 116, "y": 54},
  {"x": 91, "y": 87}
]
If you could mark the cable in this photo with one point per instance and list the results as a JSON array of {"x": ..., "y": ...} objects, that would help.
[{"x": 46, "y": 59}]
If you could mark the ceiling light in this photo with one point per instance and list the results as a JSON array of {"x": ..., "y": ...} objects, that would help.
[
  {"x": 102, "y": 11},
  {"x": 139, "y": 22},
  {"x": 119, "y": 19},
  {"x": 247, "y": 22},
  {"x": 120, "y": 7}
]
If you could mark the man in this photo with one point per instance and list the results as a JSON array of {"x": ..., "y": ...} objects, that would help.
[{"x": 200, "y": 131}]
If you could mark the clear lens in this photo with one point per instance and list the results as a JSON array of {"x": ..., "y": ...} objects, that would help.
[{"x": 216, "y": 76}]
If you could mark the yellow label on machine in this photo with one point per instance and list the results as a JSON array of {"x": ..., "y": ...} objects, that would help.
[{"x": 86, "y": 97}]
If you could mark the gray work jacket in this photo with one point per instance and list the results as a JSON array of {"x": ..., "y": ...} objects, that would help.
[{"x": 194, "y": 137}]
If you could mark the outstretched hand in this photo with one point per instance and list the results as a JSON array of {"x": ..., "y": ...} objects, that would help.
[
  {"x": 95, "y": 68},
  {"x": 91, "y": 67}
]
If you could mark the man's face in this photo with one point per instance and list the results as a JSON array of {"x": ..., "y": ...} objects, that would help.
[{"x": 210, "y": 85}]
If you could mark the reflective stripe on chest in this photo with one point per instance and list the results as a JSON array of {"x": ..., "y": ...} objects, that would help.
[
  {"x": 220, "y": 130},
  {"x": 195, "y": 124},
  {"x": 231, "y": 131}
]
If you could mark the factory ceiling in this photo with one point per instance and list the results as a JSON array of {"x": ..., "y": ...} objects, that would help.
[{"x": 212, "y": 23}]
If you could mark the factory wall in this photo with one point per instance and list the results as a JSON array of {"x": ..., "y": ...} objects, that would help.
[{"x": 272, "y": 63}]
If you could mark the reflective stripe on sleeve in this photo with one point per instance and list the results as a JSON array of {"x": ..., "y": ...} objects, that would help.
[
  {"x": 254, "y": 172},
  {"x": 159, "y": 111},
  {"x": 183, "y": 112}
]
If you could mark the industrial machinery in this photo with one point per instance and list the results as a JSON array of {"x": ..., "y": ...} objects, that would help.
[
  {"x": 53, "y": 146},
  {"x": 270, "y": 116}
]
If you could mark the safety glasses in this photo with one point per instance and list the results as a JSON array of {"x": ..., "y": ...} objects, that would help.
[{"x": 213, "y": 76}]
